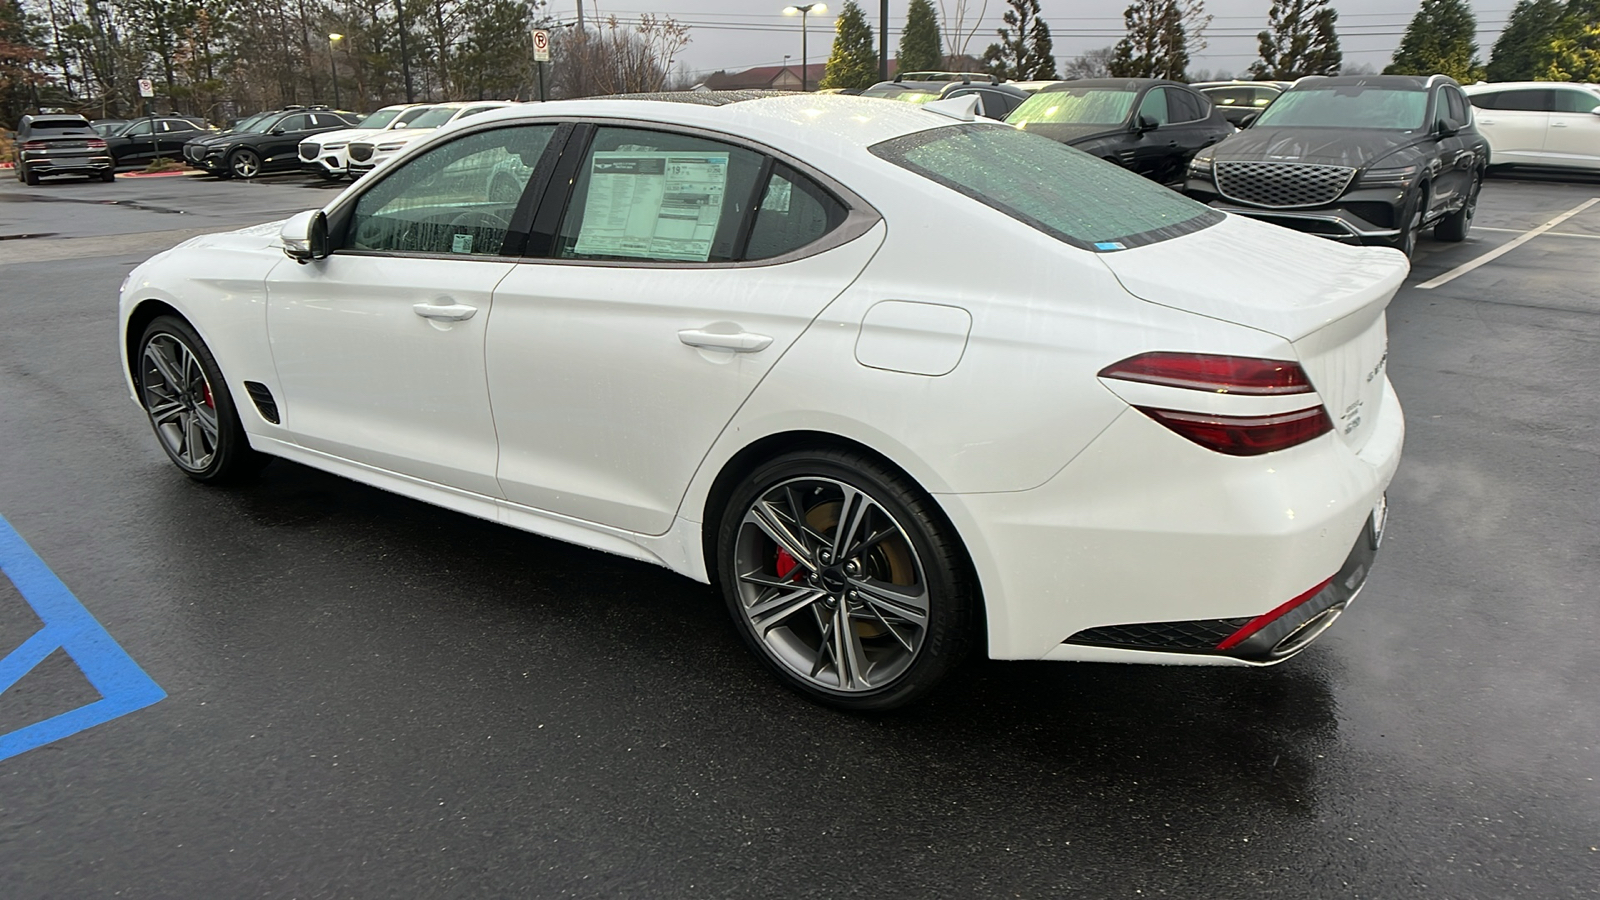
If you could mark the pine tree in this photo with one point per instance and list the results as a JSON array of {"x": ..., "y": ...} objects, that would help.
[
  {"x": 920, "y": 44},
  {"x": 1439, "y": 41},
  {"x": 1576, "y": 57},
  {"x": 1160, "y": 33},
  {"x": 1522, "y": 52},
  {"x": 1299, "y": 41},
  {"x": 854, "y": 60},
  {"x": 1025, "y": 51}
]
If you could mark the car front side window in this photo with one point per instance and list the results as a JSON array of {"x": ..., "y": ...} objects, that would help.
[
  {"x": 456, "y": 199},
  {"x": 1154, "y": 107},
  {"x": 1576, "y": 101}
]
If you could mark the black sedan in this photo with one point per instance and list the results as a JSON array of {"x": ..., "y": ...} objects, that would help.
[
  {"x": 141, "y": 141},
  {"x": 1149, "y": 125},
  {"x": 1365, "y": 159}
]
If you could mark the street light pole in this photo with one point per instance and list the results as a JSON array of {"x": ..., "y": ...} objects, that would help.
[
  {"x": 333, "y": 66},
  {"x": 802, "y": 11}
]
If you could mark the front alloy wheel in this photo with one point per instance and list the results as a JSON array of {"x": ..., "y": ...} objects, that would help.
[
  {"x": 188, "y": 404},
  {"x": 244, "y": 163},
  {"x": 845, "y": 580}
]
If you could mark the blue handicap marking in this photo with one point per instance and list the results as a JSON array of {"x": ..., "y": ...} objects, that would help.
[{"x": 123, "y": 686}]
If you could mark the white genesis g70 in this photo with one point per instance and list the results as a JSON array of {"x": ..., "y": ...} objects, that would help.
[{"x": 751, "y": 339}]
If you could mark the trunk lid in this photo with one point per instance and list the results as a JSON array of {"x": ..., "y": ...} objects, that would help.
[{"x": 1325, "y": 298}]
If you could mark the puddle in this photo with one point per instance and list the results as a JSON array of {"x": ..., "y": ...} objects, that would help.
[
  {"x": 129, "y": 204},
  {"x": 23, "y": 237}
]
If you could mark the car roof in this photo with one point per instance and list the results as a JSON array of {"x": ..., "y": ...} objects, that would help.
[
  {"x": 1202, "y": 85},
  {"x": 1121, "y": 84},
  {"x": 1482, "y": 86},
  {"x": 830, "y": 123},
  {"x": 1390, "y": 82}
]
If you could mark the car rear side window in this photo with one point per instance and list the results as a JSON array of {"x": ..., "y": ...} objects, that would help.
[
  {"x": 794, "y": 211},
  {"x": 1534, "y": 100},
  {"x": 1047, "y": 185},
  {"x": 1187, "y": 106}
]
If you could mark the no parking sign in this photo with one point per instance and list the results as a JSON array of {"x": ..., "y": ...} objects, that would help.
[{"x": 541, "y": 45}]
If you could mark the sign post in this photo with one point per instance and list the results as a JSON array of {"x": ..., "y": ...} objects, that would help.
[
  {"x": 147, "y": 90},
  {"x": 541, "y": 55}
]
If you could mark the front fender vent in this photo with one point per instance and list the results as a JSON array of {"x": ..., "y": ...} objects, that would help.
[{"x": 262, "y": 398}]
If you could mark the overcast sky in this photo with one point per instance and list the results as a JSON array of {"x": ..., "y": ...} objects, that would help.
[{"x": 740, "y": 34}]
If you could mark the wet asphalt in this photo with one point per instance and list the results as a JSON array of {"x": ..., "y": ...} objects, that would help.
[{"x": 370, "y": 697}]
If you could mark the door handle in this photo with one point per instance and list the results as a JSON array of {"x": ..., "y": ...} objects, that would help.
[
  {"x": 453, "y": 313},
  {"x": 742, "y": 342}
]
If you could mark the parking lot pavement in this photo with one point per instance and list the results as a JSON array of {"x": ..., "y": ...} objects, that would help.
[{"x": 366, "y": 696}]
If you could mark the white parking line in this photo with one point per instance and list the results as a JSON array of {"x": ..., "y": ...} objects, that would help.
[
  {"x": 1592, "y": 237},
  {"x": 1507, "y": 247}
]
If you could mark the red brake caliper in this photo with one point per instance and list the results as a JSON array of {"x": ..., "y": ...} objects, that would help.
[
  {"x": 209, "y": 402},
  {"x": 786, "y": 563}
]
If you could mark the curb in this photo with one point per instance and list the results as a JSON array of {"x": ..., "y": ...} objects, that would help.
[{"x": 156, "y": 174}]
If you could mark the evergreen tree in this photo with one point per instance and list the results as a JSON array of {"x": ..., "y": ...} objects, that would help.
[
  {"x": 854, "y": 60},
  {"x": 920, "y": 45},
  {"x": 1576, "y": 56},
  {"x": 1160, "y": 33},
  {"x": 1439, "y": 41},
  {"x": 1299, "y": 41},
  {"x": 1522, "y": 52},
  {"x": 1025, "y": 51}
]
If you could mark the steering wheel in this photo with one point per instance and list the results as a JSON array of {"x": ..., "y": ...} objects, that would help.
[{"x": 479, "y": 218}]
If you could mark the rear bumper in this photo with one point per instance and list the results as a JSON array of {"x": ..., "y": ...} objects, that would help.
[
  {"x": 1144, "y": 529},
  {"x": 69, "y": 165}
]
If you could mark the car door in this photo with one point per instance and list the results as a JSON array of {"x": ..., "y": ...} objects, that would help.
[
  {"x": 140, "y": 144},
  {"x": 1573, "y": 138},
  {"x": 680, "y": 271},
  {"x": 1152, "y": 148},
  {"x": 1454, "y": 160},
  {"x": 379, "y": 346},
  {"x": 282, "y": 139},
  {"x": 170, "y": 136},
  {"x": 1193, "y": 128},
  {"x": 1514, "y": 122}
]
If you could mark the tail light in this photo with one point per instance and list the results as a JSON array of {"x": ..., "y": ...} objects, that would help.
[
  {"x": 34, "y": 145},
  {"x": 96, "y": 143},
  {"x": 1229, "y": 434}
]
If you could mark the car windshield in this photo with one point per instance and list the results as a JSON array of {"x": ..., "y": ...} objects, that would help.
[
  {"x": 434, "y": 117},
  {"x": 380, "y": 118},
  {"x": 1347, "y": 106},
  {"x": 1047, "y": 185},
  {"x": 1075, "y": 106}
]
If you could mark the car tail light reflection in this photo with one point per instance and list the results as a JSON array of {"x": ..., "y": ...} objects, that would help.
[
  {"x": 96, "y": 144},
  {"x": 34, "y": 145},
  {"x": 1245, "y": 435},
  {"x": 1211, "y": 372}
]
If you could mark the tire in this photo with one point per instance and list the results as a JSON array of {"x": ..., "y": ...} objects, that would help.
[
  {"x": 1455, "y": 226},
  {"x": 904, "y": 592},
  {"x": 30, "y": 176},
  {"x": 1411, "y": 222},
  {"x": 108, "y": 175},
  {"x": 244, "y": 163},
  {"x": 189, "y": 406}
]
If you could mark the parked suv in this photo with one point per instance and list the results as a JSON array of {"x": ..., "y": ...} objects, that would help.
[
  {"x": 1241, "y": 101},
  {"x": 1366, "y": 159},
  {"x": 367, "y": 153},
  {"x": 996, "y": 99},
  {"x": 141, "y": 141},
  {"x": 1550, "y": 124},
  {"x": 60, "y": 145},
  {"x": 328, "y": 154},
  {"x": 266, "y": 142},
  {"x": 1149, "y": 125}
]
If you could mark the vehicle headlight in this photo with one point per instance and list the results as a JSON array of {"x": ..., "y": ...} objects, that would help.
[
  {"x": 1399, "y": 177},
  {"x": 1200, "y": 166}
]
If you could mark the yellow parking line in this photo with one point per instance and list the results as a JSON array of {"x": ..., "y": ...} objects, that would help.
[{"x": 1507, "y": 247}]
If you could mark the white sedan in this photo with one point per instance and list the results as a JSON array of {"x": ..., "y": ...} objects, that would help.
[{"x": 752, "y": 340}]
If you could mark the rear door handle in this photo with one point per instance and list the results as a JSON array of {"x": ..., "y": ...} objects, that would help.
[
  {"x": 742, "y": 342},
  {"x": 454, "y": 313}
]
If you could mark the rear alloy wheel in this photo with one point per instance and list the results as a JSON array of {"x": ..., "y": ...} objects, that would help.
[
  {"x": 189, "y": 406},
  {"x": 1455, "y": 226},
  {"x": 244, "y": 163},
  {"x": 843, "y": 578}
]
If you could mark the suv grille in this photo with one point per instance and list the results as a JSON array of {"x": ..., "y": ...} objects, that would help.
[
  {"x": 360, "y": 152},
  {"x": 1282, "y": 185},
  {"x": 309, "y": 150}
]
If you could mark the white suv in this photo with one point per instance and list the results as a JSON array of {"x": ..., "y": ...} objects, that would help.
[
  {"x": 327, "y": 154},
  {"x": 366, "y": 153},
  {"x": 1539, "y": 123}
]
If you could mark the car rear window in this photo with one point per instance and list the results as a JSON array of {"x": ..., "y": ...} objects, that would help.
[
  {"x": 1047, "y": 185},
  {"x": 58, "y": 124},
  {"x": 1347, "y": 106}
]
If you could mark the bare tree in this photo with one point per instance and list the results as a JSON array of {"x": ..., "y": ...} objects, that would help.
[
  {"x": 615, "y": 58},
  {"x": 954, "y": 27},
  {"x": 1089, "y": 64}
]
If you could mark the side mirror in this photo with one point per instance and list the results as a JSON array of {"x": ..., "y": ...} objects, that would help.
[
  {"x": 1247, "y": 121},
  {"x": 277, "y": 131},
  {"x": 1448, "y": 127},
  {"x": 305, "y": 236},
  {"x": 1144, "y": 123}
]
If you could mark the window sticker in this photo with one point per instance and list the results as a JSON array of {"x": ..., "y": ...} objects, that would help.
[
  {"x": 461, "y": 243},
  {"x": 777, "y": 199},
  {"x": 656, "y": 205}
]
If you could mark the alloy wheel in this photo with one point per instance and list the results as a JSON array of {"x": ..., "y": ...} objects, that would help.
[
  {"x": 180, "y": 402},
  {"x": 246, "y": 164},
  {"x": 831, "y": 584}
]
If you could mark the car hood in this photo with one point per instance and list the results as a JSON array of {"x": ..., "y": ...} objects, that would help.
[
  {"x": 344, "y": 134},
  {"x": 1294, "y": 283},
  {"x": 401, "y": 135},
  {"x": 1331, "y": 146},
  {"x": 221, "y": 138},
  {"x": 1068, "y": 133}
]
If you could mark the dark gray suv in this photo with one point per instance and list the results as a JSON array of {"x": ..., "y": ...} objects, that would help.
[
  {"x": 1365, "y": 159},
  {"x": 55, "y": 144}
]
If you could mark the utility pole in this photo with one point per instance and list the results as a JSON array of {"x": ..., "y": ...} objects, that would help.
[
  {"x": 883, "y": 40},
  {"x": 405, "y": 57},
  {"x": 580, "y": 15}
]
